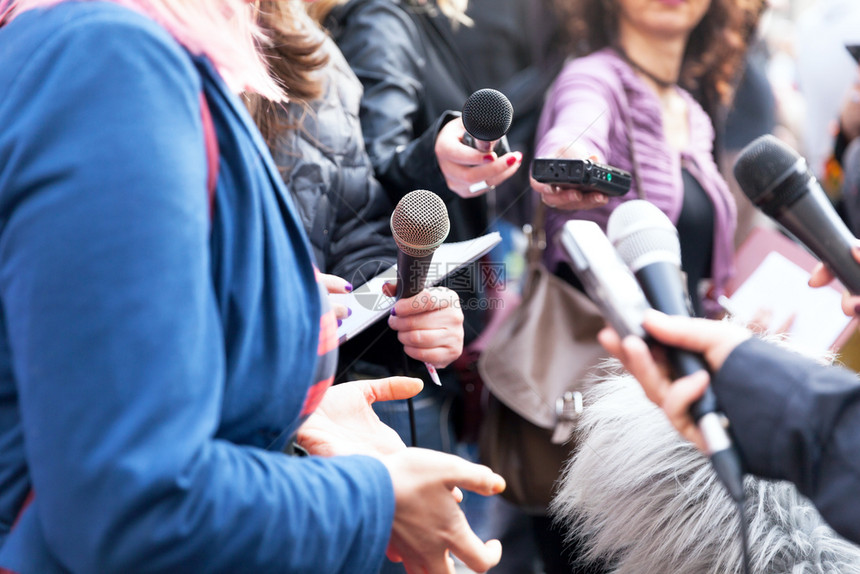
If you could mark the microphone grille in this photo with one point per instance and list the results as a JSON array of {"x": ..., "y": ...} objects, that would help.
[
  {"x": 642, "y": 234},
  {"x": 420, "y": 223},
  {"x": 487, "y": 115},
  {"x": 763, "y": 171}
]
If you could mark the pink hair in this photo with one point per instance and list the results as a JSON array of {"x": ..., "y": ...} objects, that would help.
[{"x": 222, "y": 30}]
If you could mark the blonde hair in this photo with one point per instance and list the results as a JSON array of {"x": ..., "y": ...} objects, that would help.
[
  {"x": 222, "y": 30},
  {"x": 455, "y": 10}
]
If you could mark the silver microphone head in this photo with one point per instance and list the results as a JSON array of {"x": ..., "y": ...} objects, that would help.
[
  {"x": 642, "y": 234},
  {"x": 487, "y": 115},
  {"x": 419, "y": 223}
]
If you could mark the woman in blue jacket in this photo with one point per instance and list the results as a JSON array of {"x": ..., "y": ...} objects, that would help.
[{"x": 158, "y": 347}]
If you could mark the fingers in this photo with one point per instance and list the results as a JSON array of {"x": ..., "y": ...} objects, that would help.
[
  {"x": 569, "y": 198},
  {"x": 390, "y": 389},
  {"x": 714, "y": 339},
  {"x": 473, "y": 180},
  {"x": 610, "y": 341},
  {"x": 470, "y": 172},
  {"x": 677, "y": 402},
  {"x": 820, "y": 276},
  {"x": 473, "y": 477},
  {"x": 335, "y": 284},
  {"x": 430, "y": 326},
  {"x": 637, "y": 358},
  {"x": 439, "y": 356},
  {"x": 341, "y": 312},
  {"x": 850, "y": 304},
  {"x": 433, "y": 299},
  {"x": 389, "y": 288},
  {"x": 479, "y": 556}
]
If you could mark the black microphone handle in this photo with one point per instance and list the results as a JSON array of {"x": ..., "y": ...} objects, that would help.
[
  {"x": 411, "y": 274},
  {"x": 663, "y": 285},
  {"x": 815, "y": 223}
]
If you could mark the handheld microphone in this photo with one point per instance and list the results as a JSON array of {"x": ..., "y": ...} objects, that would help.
[
  {"x": 487, "y": 117},
  {"x": 778, "y": 181},
  {"x": 606, "y": 278},
  {"x": 648, "y": 243},
  {"x": 419, "y": 225}
]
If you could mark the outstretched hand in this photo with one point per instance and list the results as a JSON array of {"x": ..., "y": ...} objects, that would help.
[
  {"x": 822, "y": 276},
  {"x": 344, "y": 423},
  {"x": 469, "y": 172},
  {"x": 569, "y": 198},
  {"x": 429, "y": 525}
]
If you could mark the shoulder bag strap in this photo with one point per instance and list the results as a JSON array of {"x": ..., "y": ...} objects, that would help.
[
  {"x": 212, "y": 152},
  {"x": 634, "y": 161}
]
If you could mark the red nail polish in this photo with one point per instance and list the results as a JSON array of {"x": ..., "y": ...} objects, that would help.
[
  {"x": 489, "y": 157},
  {"x": 512, "y": 160}
]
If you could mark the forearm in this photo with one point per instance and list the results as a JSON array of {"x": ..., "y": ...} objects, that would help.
[{"x": 796, "y": 420}]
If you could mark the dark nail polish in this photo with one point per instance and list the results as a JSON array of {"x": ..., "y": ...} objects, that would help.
[
  {"x": 348, "y": 287},
  {"x": 339, "y": 322},
  {"x": 393, "y": 312},
  {"x": 857, "y": 309},
  {"x": 349, "y": 312}
]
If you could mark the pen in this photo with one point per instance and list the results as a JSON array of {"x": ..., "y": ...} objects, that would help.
[{"x": 434, "y": 376}]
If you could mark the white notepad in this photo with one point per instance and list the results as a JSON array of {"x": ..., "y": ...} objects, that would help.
[
  {"x": 780, "y": 286},
  {"x": 369, "y": 304}
]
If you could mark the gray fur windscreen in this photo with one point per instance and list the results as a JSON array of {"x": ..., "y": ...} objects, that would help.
[{"x": 649, "y": 502}]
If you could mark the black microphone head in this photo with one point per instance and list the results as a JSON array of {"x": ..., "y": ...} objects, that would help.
[
  {"x": 419, "y": 223},
  {"x": 771, "y": 174},
  {"x": 487, "y": 115},
  {"x": 642, "y": 234}
]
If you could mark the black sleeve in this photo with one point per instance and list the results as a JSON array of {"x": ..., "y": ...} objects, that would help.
[{"x": 798, "y": 420}]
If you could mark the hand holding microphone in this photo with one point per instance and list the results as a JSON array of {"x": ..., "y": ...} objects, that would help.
[
  {"x": 472, "y": 150},
  {"x": 648, "y": 243},
  {"x": 431, "y": 326},
  {"x": 487, "y": 117}
]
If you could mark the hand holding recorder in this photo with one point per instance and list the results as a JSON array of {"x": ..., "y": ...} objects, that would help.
[{"x": 569, "y": 182}]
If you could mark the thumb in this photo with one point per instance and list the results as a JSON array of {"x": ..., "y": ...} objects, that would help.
[{"x": 391, "y": 388}]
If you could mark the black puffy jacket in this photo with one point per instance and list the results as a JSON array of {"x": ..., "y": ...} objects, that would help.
[{"x": 343, "y": 207}]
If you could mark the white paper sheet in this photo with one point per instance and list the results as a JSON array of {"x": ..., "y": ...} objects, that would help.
[
  {"x": 780, "y": 286},
  {"x": 367, "y": 302}
]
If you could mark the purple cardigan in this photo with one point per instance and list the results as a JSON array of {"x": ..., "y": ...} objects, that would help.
[{"x": 592, "y": 99}]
